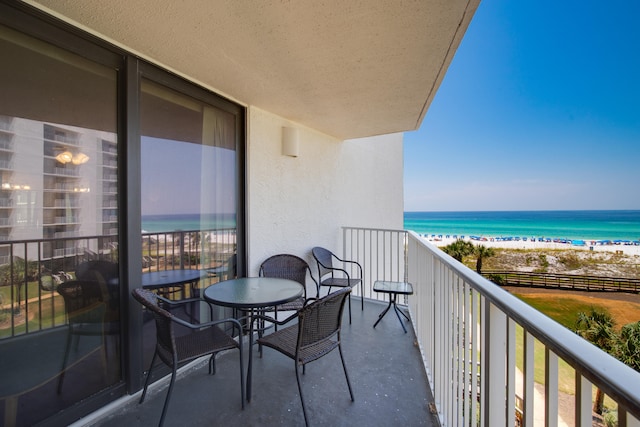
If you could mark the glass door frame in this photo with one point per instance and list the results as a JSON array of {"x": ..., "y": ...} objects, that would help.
[
  {"x": 33, "y": 22},
  {"x": 137, "y": 70}
]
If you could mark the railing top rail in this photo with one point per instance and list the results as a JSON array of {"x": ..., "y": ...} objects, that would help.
[
  {"x": 147, "y": 233},
  {"x": 390, "y": 230},
  {"x": 612, "y": 376},
  {"x": 57, "y": 239},
  {"x": 105, "y": 237}
]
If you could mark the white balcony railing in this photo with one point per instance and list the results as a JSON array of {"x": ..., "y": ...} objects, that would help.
[
  {"x": 477, "y": 340},
  {"x": 381, "y": 253}
]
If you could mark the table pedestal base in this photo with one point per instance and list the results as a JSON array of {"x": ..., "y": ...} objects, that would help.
[
  {"x": 393, "y": 289},
  {"x": 392, "y": 302}
]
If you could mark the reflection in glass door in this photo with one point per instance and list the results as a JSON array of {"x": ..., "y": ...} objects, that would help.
[
  {"x": 188, "y": 192},
  {"x": 59, "y": 287}
]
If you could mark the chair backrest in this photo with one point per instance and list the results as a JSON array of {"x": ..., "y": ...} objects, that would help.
[
  {"x": 232, "y": 267},
  {"x": 105, "y": 272},
  {"x": 324, "y": 259},
  {"x": 164, "y": 326},
  {"x": 321, "y": 319},
  {"x": 286, "y": 266},
  {"x": 84, "y": 301},
  {"x": 97, "y": 270}
]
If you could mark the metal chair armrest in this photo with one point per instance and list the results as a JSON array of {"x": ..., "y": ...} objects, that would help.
[
  {"x": 189, "y": 325},
  {"x": 342, "y": 269},
  {"x": 272, "y": 320},
  {"x": 356, "y": 263},
  {"x": 180, "y": 302}
]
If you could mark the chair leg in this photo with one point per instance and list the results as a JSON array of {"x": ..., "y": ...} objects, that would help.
[
  {"x": 64, "y": 362},
  {"x": 362, "y": 294},
  {"x": 304, "y": 410},
  {"x": 146, "y": 382},
  {"x": 242, "y": 393},
  {"x": 261, "y": 328},
  {"x": 275, "y": 315},
  {"x": 345, "y": 371},
  {"x": 212, "y": 371},
  {"x": 105, "y": 356},
  {"x": 349, "y": 308},
  {"x": 166, "y": 400}
]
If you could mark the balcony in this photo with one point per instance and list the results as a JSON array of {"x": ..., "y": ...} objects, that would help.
[
  {"x": 66, "y": 172},
  {"x": 475, "y": 364},
  {"x": 389, "y": 385},
  {"x": 478, "y": 343},
  {"x": 468, "y": 359},
  {"x": 5, "y": 142}
]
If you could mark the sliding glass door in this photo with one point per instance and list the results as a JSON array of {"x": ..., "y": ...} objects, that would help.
[
  {"x": 189, "y": 190},
  {"x": 59, "y": 268},
  {"x": 96, "y": 148}
]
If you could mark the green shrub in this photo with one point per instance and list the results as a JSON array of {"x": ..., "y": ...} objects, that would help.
[
  {"x": 610, "y": 418},
  {"x": 4, "y": 313},
  {"x": 570, "y": 260},
  {"x": 47, "y": 283},
  {"x": 498, "y": 279},
  {"x": 544, "y": 262}
]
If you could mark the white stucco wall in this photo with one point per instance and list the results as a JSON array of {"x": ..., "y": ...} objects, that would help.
[{"x": 294, "y": 204}]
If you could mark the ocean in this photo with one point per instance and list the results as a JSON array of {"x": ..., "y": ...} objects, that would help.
[
  {"x": 572, "y": 225},
  {"x": 186, "y": 222}
]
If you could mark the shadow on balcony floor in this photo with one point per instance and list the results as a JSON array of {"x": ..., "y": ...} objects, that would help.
[{"x": 389, "y": 385}]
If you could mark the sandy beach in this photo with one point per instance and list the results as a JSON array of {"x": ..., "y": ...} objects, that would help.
[{"x": 627, "y": 249}]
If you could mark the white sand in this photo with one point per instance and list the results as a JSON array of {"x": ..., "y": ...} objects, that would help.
[{"x": 529, "y": 244}]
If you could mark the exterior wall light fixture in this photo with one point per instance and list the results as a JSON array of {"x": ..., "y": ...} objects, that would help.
[{"x": 290, "y": 142}]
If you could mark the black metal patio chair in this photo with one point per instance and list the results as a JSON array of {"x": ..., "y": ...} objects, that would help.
[
  {"x": 315, "y": 335},
  {"x": 203, "y": 339},
  {"x": 292, "y": 267},
  {"x": 89, "y": 312},
  {"x": 330, "y": 274},
  {"x": 226, "y": 270},
  {"x": 104, "y": 272}
]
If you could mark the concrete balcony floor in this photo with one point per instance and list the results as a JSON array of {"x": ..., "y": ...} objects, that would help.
[{"x": 384, "y": 364}]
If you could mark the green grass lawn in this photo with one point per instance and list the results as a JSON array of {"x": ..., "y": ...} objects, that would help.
[
  {"x": 32, "y": 291},
  {"x": 45, "y": 310},
  {"x": 566, "y": 374},
  {"x": 564, "y": 311}
]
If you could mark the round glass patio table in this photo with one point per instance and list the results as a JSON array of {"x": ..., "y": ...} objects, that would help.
[
  {"x": 164, "y": 280},
  {"x": 252, "y": 294}
]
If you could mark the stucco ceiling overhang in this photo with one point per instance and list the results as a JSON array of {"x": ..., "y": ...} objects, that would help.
[{"x": 349, "y": 69}]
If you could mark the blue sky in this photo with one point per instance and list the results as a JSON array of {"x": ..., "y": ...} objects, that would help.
[
  {"x": 539, "y": 110},
  {"x": 177, "y": 177}
]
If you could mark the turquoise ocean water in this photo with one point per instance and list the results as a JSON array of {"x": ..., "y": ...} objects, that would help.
[
  {"x": 584, "y": 225},
  {"x": 186, "y": 222}
]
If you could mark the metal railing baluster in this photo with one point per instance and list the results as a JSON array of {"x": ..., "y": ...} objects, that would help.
[{"x": 453, "y": 309}]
